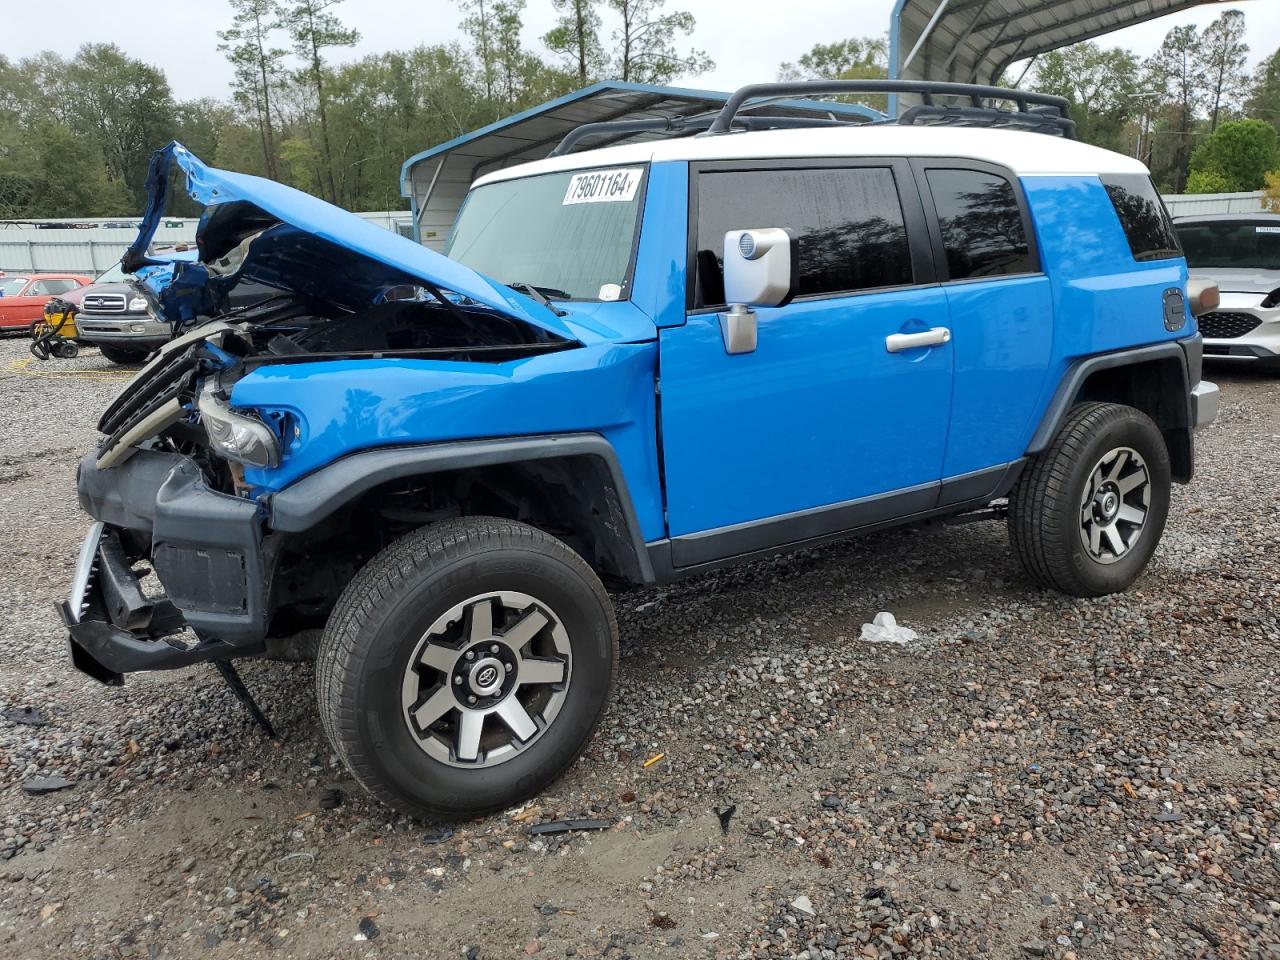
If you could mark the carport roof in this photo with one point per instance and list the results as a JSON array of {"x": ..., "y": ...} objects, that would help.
[
  {"x": 975, "y": 41},
  {"x": 436, "y": 180}
]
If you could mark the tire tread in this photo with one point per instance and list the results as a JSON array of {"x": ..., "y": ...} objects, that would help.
[{"x": 345, "y": 641}]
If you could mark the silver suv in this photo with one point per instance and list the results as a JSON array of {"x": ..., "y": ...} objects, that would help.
[{"x": 1241, "y": 252}]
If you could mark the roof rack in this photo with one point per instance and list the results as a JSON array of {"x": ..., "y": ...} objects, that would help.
[
  {"x": 687, "y": 125},
  {"x": 1037, "y": 112},
  {"x": 1034, "y": 111}
]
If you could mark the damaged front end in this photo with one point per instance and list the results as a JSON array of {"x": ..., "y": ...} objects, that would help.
[{"x": 178, "y": 567}]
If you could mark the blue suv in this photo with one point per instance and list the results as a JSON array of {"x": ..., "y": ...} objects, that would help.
[{"x": 635, "y": 364}]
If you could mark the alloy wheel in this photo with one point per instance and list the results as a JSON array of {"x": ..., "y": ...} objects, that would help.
[
  {"x": 487, "y": 679},
  {"x": 1114, "y": 505}
]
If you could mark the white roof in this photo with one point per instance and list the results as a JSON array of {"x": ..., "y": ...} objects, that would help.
[{"x": 1026, "y": 154}]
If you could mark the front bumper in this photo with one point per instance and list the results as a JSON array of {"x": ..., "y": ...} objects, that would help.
[
  {"x": 1237, "y": 340},
  {"x": 207, "y": 552},
  {"x": 140, "y": 331}
]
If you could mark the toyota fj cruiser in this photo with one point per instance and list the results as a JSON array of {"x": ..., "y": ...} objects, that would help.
[{"x": 635, "y": 364}]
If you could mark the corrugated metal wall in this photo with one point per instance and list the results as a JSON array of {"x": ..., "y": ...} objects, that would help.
[
  {"x": 90, "y": 250},
  {"x": 1203, "y": 204}
]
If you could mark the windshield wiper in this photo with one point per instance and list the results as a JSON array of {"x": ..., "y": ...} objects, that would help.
[{"x": 542, "y": 295}]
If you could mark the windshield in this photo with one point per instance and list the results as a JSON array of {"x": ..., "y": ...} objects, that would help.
[
  {"x": 569, "y": 234},
  {"x": 113, "y": 274},
  {"x": 12, "y": 286},
  {"x": 1231, "y": 244}
]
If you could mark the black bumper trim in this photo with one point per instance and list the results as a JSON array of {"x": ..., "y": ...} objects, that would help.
[{"x": 207, "y": 550}]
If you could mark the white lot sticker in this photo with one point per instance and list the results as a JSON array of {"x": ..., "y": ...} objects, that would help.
[
  {"x": 603, "y": 186},
  {"x": 1266, "y": 229}
]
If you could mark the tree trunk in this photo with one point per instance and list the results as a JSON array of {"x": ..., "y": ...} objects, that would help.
[
  {"x": 268, "y": 137},
  {"x": 582, "y": 42},
  {"x": 325, "y": 151}
]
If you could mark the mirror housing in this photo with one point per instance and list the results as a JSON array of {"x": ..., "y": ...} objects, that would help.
[
  {"x": 760, "y": 267},
  {"x": 1203, "y": 295}
]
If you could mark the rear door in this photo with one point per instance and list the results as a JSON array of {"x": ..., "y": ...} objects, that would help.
[
  {"x": 826, "y": 426},
  {"x": 1000, "y": 305}
]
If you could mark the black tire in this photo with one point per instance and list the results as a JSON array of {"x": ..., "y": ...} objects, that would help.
[
  {"x": 383, "y": 614},
  {"x": 1046, "y": 506},
  {"x": 120, "y": 355}
]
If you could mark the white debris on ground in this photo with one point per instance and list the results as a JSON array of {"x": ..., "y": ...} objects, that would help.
[{"x": 884, "y": 629}]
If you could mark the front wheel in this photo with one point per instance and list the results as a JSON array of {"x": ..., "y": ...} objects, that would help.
[
  {"x": 1088, "y": 512},
  {"x": 121, "y": 356},
  {"x": 466, "y": 666}
]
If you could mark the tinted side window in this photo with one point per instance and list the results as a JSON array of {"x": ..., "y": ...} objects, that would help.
[
  {"x": 1143, "y": 215},
  {"x": 58, "y": 287},
  {"x": 849, "y": 223},
  {"x": 982, "y": 228}
]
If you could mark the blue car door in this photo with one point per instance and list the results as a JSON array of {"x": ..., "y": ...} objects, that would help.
[
  {"x": 1001, "y": 307},
  {"x": 838, "y": 419}
]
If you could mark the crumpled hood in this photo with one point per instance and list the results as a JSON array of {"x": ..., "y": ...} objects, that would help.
[
  {"x": 259, "y": 230},
  {"x": 1241, "y": 281}
]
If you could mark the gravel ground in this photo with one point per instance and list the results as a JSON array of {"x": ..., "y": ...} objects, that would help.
[{"x": 1035, "y": 776}]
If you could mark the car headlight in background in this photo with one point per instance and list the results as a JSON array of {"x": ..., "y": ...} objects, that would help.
[
  {"x": 138, "y": 305},
  {"x": 236, "y": 436}
]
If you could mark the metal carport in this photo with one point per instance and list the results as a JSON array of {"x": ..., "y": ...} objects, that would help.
[
  {"x": 436, "y": 180},
  {"x": 975, "y": 41}
]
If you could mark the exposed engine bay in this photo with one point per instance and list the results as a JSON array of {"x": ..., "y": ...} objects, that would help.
[{"x": 179, "y": 401}]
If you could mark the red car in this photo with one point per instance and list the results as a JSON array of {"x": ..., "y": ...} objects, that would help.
[{"x": 23, "y": 296}]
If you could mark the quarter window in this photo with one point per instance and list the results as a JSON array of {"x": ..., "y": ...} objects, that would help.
[
  {"x": 1143, "y": 215},
  {"x": 848, "y": 221},
  {"x": 51, "y": 288},
  {"x": 983, "y": 232}
]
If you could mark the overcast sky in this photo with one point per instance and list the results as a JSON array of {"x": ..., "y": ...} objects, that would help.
[{"x": 746, "y": 38}]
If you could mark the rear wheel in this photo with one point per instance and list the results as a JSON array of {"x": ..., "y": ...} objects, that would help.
[
  {"x": 119, "y": 355},
  {"x": 1088, "y": 512},
  {"x": 466, "y": 666}
]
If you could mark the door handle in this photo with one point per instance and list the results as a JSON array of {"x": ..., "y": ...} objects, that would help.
[{"x": 897, "y": 342}]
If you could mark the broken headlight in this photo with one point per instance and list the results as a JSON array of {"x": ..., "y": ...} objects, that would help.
[{"x": 237, "y": 436}]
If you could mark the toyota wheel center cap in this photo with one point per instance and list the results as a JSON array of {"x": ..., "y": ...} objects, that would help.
[{"x": 486, "y": 676}]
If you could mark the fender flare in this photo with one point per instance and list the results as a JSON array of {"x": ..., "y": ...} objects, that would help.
[
  {"x": 310, "y": 501},
  {"x": 1080, "y": 371}
]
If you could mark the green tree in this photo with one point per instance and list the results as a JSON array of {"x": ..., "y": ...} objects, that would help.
[
  {"x": 1207, "y": 181},
  {"x": 1222, "y": 62},
  {"x": 576, "y": 39},
  {"x": 72, "y": 180},
  {"x": 1238, "y": 155},
  {"x": 1175, "y": 70},
  {"x": 645, "y": 43},
  {"x": 1101, "y": 84},
  {"x": 123, "y": 104},
  {"x": 314, "y": 29},
  {"x": 1264, "y": 93},
  {"x": 256, "y": 63},
  {"x": 857, "y": 58}
]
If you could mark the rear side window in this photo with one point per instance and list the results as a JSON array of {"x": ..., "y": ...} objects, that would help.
[
  {"x": 53, "y": 288},
  {"x": 1143, "y": 215},
  {"x": 983, "y": 232},
  {"x": 848, "y": 220}
]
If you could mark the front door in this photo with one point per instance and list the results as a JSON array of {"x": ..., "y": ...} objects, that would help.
[{"x": 834, "y": 421}]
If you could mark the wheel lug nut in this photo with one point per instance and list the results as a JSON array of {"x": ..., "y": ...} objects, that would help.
[
  {"x": 494, "y": 648},
  {"x": 457, "y": 681},
  {"x": 508, "y": 666},
  {"x": 471, "y": 654},
  {"x": 471, "y": 699}
]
